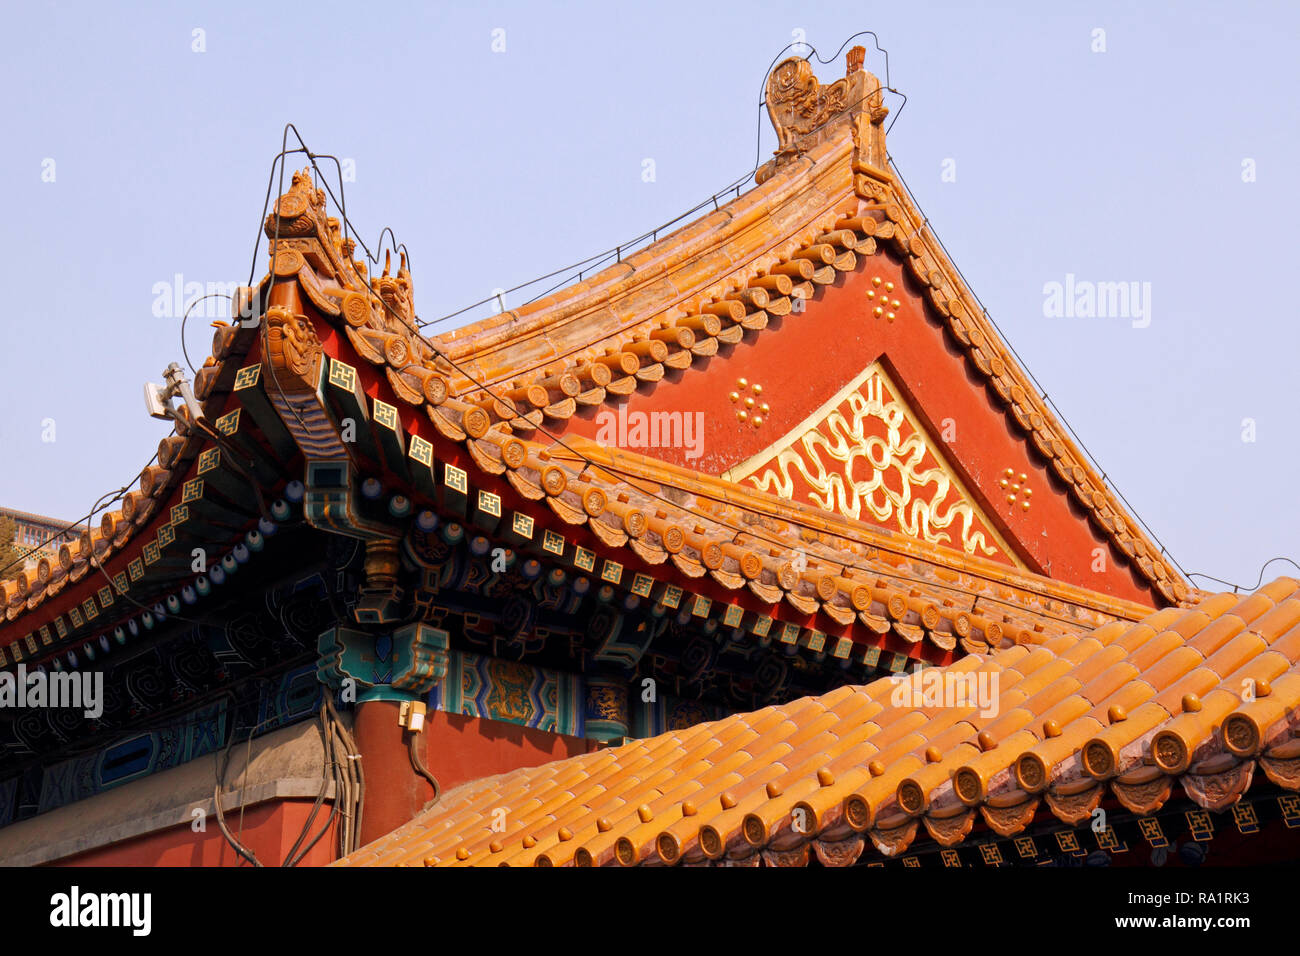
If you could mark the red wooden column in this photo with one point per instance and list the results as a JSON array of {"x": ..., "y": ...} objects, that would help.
[
  {"x": 394, "y": 791},
  {"x": 454, "y": 747},
  {"x": 382, "y": 672}
]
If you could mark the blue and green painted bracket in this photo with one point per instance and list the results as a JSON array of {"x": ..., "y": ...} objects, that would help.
[{"x": 404, "y": 665}]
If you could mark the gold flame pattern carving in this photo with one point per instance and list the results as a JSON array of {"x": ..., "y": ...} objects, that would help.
[{"x": 866, "y": 458}]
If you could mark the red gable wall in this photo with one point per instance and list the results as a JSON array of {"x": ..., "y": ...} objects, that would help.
[{"x": 803, "y": 360}]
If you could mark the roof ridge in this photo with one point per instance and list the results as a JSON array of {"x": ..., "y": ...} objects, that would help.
[{"x": 798, "y": 192}]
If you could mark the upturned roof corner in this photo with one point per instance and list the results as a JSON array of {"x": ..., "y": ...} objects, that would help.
[{"x": 806, "y": 112}]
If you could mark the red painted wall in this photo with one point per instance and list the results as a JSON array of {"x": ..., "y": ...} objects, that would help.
[
  {"x": 456, "y": 749},
  {"x": 269, "y": 830},
  {"x": 803, "y": 360}
]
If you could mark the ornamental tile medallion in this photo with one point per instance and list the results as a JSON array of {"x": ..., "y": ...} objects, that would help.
[
  {"x": 509, "y": 697},
  {"x": 865, "y": 455}
]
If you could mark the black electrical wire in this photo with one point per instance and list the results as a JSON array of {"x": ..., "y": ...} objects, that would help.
[
  {"x": 222, "y": 766},
  {"x": 326, "y": 772},
  {"x": 343, "y": 763},
  {"x": 1240, "y": 587},
  {"x": 356, "y": 763},
  {"x": 1030, "y": 375},
  {"x": 185, "y": 318},
  {"x": 238, "y": 847},
  {"x": 417, "y": 764},
  {"x": 886, "y": 87},
  {"x": 113, "y": 496}
]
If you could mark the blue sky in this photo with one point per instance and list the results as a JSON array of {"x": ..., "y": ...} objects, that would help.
[{"x": 495, "y": 167}]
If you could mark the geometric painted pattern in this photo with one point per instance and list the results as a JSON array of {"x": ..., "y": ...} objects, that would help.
[
  {"x": 479, "y": 686},
  {"x": 195, "y": 735},
  {"x": 294, "y": 696},
  {"x": 865, "y": 455}
]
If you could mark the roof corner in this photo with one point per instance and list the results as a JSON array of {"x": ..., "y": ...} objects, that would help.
[{"x": 806, "y": 112}]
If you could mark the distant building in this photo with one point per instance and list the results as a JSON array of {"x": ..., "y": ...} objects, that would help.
[{"x": 41, "y": 533}]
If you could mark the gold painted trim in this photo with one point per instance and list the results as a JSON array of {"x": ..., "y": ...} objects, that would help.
[{"x": 786, "y": 442}]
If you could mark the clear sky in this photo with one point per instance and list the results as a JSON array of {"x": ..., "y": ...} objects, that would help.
[{"x": 1169, "y": 159}]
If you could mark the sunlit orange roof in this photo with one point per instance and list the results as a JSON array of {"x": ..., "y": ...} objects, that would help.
[{"x": 1197, "y": 698}]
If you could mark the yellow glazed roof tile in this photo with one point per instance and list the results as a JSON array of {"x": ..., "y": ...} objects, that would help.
[{"x": 1119, "y": 708}]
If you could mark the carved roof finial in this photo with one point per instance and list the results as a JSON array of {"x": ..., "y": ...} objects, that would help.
[
  {"x": 854, "y": 60},
  {"x": 806, "y": 113}
]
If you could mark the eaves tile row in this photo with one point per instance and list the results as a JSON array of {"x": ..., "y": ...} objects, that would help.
[{"x": 1198, "y": 699}]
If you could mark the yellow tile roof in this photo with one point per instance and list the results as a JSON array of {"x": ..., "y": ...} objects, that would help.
[{"x": 1196, "y": 697}]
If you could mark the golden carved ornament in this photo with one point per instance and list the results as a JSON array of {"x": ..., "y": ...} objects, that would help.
[
  {"x": 1145, "y": 797},
  {"x": 838, "y": 853},
  {"x": 1031, "y": 773},
  {"x": 910, "y": 797},
  {"x": 861, "y": 598},
  {"x": 593, "y": 502},
  {"x": 930, "y": 617},
  {"x": 667, "y": 847},
  {"x": 293, "y": 350},
  {"x": 397, "y": 292},
  {"x": 1015, "y": 487},
  {"x": 288, "y": 263},
  {"x": 435, "y": 388},
  {"x": 554, "y": 481},
  {"x": 292, "y": 204},
  {"x": 1241, "y": 735},
  {"x": 299, "y": 212},
  {"x": 857, "y": 812},
  {"x": 476, "y": 422},
  {"x": 886, "y": 306},
  {"x": 1006, "y": 820},
  {"x": 802, "y": 109},
  {"x": 1170, "y": 753},
  {"x": 397, "y": 352},
  {"x": 1098, "y": 759},
  {"x": 950, "y": 831},
  {"x": 863, "y": 454},
  {"x": 968, "y": 786},
  {"x": 712, "y": 556},
  {"x": 514, "y": 453},
  {"x": 634, "y": 523}
]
